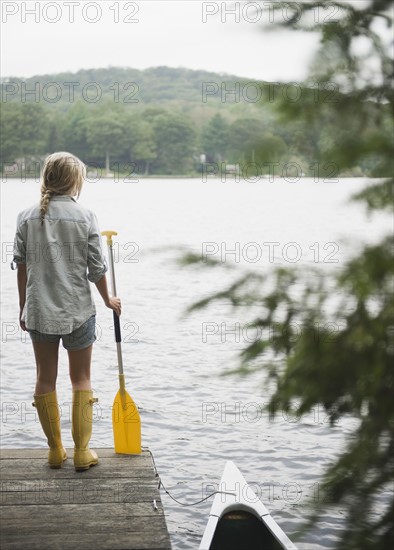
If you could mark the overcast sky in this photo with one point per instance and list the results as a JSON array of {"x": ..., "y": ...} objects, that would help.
[{"x": 55, "y": 36}]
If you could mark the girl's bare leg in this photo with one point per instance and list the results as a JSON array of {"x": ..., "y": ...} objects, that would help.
[
  {"x": 79, "y": 362},
  {"x": 47, "y": 357}
]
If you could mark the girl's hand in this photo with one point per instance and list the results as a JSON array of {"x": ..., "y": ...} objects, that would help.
[
  {"x": 114, "y": 304},
  {"x": 22, "y": 323}
]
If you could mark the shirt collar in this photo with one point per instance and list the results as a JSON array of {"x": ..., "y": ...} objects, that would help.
[{"x": 63, "y": 198}]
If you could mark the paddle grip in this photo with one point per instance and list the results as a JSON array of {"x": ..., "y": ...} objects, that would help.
[{"x": 118, "y": 337}]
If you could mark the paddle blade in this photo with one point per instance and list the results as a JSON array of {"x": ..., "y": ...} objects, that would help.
[{"x": 126, "y": 424}]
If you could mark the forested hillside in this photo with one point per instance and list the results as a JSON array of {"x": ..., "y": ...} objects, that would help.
[{"x": 165, "y": 121}]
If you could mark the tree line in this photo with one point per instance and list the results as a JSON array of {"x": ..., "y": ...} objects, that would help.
[{"x": 175, "y": 121}]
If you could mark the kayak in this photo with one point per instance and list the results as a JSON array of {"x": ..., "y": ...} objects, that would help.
[{"x": 238, "y": 520}]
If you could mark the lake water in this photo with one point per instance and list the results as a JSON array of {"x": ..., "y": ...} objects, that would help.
[{"x": 193, "y": 419}]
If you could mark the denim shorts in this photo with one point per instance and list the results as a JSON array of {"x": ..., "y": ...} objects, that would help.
[{"x": 80, "y": 338}]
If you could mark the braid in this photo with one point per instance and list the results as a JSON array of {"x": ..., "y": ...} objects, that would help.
[
  {"x": 63, "y": 174},
  {"x": 46, "y": 195}
]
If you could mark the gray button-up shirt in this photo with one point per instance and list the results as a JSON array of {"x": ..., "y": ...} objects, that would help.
[{"x": 61, "y": 257}]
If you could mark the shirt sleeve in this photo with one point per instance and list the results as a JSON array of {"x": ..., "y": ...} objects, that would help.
[
  {"x": 19, "y": 251},
  {"x": 97, "y": 264}
]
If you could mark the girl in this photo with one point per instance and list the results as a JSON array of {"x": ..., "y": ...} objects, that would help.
[{"x": 57, "y": 250}]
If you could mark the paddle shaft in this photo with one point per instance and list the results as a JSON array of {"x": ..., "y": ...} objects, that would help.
[{"x": 118, "y": 337}]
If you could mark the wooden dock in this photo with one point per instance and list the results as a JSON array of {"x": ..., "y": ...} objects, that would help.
[{"x": 109, "y": 506}]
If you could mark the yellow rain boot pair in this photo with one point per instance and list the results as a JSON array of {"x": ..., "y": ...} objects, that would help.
[
  {"x": 82, "y": 418},
  {"x": 49, "y": 415}
]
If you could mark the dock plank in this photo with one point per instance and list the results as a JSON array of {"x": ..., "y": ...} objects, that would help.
[
  {"x": 105, "y": 452},
  {"x": 114, "y": 467},
  {"x": 108, "y": 507},
  {"x": 120, "y": 541}
]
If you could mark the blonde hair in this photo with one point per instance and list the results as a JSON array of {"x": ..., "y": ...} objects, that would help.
[{"x": 63, "y": 174}]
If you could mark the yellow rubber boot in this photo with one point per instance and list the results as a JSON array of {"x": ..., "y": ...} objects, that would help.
[
  {"x": 49, "y": 415},
  {"x": 82, "y": 418}
]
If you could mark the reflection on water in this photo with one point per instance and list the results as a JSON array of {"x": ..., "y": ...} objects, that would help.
[{"x": 193, "y": 419}]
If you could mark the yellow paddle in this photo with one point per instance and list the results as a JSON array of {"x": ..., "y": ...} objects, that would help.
[{"x": 126, "y": 421}]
